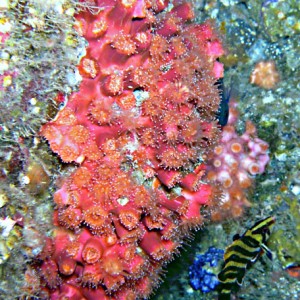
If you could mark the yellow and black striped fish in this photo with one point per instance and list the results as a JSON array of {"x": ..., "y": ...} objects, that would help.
[{"x": 243, "y": 252}]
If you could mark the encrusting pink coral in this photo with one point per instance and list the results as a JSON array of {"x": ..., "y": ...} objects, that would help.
[{"x": 139, "y": 127}]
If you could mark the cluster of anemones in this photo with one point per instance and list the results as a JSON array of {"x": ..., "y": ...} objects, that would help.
[
  {"x": 265, "y": 75},
  {"x": 139, "y": 127},
  {"x": 234, "y": 163}
]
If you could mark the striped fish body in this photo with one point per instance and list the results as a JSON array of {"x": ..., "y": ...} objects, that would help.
[{"x": 243, "y": 252}]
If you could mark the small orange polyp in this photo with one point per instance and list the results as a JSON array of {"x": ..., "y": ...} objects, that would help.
[{"x": 92, "y": 251}]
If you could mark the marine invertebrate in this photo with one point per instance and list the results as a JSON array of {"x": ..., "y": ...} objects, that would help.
[
  {"x": 265, "y": 75},
  {"x": 234, "y": 163},
  {"x": 140, "y": 127},
  {"x": 202, "y": 271}
]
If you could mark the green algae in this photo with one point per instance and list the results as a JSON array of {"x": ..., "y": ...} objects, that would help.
[
  {"x": 38, "y": 60},
  {"x": 41, "y": 50},
  {"x": 281, "y": 19}
]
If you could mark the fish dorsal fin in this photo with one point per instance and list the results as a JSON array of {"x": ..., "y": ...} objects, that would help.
[{"x": 236, "y": 237}]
